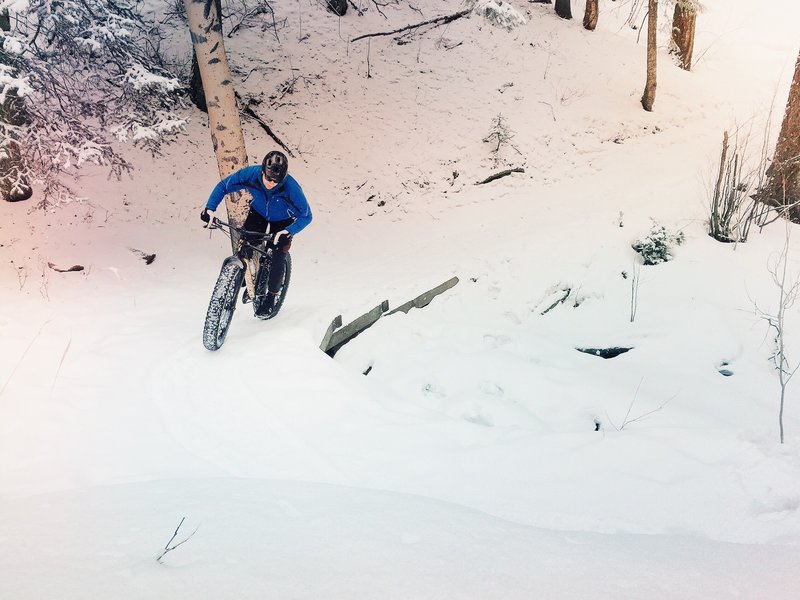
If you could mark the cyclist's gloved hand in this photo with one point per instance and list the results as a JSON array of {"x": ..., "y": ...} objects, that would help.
[
  {"x": 282, "y": 235},
  {"x": 207, "y": 216}
]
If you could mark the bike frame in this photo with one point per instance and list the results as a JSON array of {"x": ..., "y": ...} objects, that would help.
[{"x": 250, "y": 266}]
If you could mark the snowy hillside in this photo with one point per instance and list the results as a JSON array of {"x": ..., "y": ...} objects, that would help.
[{"x": 482, "y": 455}]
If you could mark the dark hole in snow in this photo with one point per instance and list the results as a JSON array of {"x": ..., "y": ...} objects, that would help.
[
  {"x": 597, "y": 425},
  {"x": 369, "y": 368},
  {"x": 604, "y": 352},
  {"x": 725, "y": 372}
]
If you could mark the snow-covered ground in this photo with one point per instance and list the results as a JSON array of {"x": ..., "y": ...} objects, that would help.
[{"x": 482, "y": 456}]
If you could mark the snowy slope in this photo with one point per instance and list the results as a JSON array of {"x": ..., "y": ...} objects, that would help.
[{"x": 481, "y": 456}]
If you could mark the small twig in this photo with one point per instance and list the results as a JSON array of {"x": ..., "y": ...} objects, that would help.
[
  {"x": 500, "y": 174},
  {"x": 21, "y": 358},
  {"x": 552, "y": 110},
  {"x": 438, "y": 20},
  {"x": 627, "y": 421},
  {"x": 378, "y": 6},
  {"x": 355, "y": 8},
  {"x": 169, "y": 548},
  {"x": 636, "y": 393},
  {"x": 634, "y": 292},
  {"x": 648, "y": 413},
  {"x": 61, "y": 363},
  {"x": 561, "y": 300},
  {"x": 369, "y": 47}
]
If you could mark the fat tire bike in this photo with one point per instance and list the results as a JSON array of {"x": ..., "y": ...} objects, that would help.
[{"x": 252, "y": 255}]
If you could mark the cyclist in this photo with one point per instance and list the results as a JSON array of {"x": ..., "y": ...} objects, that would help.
[{"x": 278, "y": 206}]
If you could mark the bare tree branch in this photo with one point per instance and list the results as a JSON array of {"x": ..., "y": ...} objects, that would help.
[
  {"x": 246, "y": 110},
  {"x": 437, "y": 21},
  {"x": 501, "y": 174},
  {"x": 169, "y": 548}
]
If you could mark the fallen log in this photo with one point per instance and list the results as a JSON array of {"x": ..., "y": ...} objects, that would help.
[
  {"x": 437, "y": 21},
  {"x": 500, "y": 174}
]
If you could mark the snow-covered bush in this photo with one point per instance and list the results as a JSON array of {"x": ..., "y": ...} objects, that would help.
[
  {"x": 86, "y": 73},
  {"x": 656, "y": 246},
  {"x": 499, "y": 13}
]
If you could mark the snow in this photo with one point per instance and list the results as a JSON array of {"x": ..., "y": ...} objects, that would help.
[
  {"x": 482, "y": 456},
  {"x": 502, "y": 14}
]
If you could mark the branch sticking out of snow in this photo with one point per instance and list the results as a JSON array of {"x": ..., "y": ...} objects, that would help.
[
  {"x": 169, "y": 548},
  {"x": 504, "y": 173}
]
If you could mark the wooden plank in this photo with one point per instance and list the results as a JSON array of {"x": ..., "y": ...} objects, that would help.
[
  {"x": 423, "y": 300},
  {"x": 335, "y": 324},
  {"x": 337, "y": 336},
  {"x": 340, "y": 337}
]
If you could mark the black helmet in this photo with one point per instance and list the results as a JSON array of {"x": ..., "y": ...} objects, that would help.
[{"x": 275, "y": 166}]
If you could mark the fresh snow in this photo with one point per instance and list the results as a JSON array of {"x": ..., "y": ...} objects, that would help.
[{"x": 482, "y": 456}]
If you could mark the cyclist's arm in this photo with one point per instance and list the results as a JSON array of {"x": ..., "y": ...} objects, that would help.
[
  {"x": 301, "y": 211},
  {"x": 232, "y": 183}
]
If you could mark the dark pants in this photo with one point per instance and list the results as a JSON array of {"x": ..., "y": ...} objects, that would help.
[{"x": 255, "y": 222}]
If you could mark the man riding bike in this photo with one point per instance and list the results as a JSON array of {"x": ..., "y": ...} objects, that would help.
[{"x": 278, "y": 206}]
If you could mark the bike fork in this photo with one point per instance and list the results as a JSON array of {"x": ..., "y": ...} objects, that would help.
[{"x": 250, "y": 272}]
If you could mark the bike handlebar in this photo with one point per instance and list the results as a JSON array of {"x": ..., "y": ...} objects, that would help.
[{"x": 216, "y": 222}]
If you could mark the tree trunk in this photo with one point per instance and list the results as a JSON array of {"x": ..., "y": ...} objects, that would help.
[
  {"x": 591, "y": 14},
  {"x": 649, "y": 96},
  {"x": 196, "y": 93},
  {"x": 205, "y": 27},
  {"x": 783, "y": 175},
  {"x": 683, "y": 25},
  {"x": 14, "y": 186},
  {"x": 563, "y": 9}
]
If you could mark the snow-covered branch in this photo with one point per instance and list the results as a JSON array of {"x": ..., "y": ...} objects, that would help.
[{"x": 84, "y": 74}]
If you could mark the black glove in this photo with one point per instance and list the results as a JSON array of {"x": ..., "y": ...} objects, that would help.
[{"x": 207, "y": 216}]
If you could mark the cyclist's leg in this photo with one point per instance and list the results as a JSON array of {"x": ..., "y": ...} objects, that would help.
[
  {"x": 278, "y": 265},
  {"x": 254, "y": 222}
]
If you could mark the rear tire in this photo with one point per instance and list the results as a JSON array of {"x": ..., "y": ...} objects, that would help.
[
  {"x": 222, "y": 304},
  {"x": 262, "y": 291}
]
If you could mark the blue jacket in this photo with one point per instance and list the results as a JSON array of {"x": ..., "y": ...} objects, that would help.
[{"x": 285, "y": 201}]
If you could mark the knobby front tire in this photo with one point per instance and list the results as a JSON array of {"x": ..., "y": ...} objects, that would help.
[{"x": 222, "y": 304}]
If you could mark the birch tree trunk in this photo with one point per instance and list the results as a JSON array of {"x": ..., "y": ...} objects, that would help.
[
  {"x": 649, "y": 96},
  {"x": 14, "y": 186},
  {"x": 683, "y": 26},
  {"x": 783, "y": 175},
  {"x": 196, "y": 93},
  {"x": 590, "y": 15},
  {"x": 205, "y": 26}
]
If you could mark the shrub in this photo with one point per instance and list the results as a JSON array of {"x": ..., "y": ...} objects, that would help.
[
  {"x": 656, "y": 247},
  {"x": 733, "y": 207}
]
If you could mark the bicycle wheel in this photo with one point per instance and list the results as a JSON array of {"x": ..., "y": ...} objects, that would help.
[
  {"x": 261, "y": 288},
  {"x": 222, "y": 304}
]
